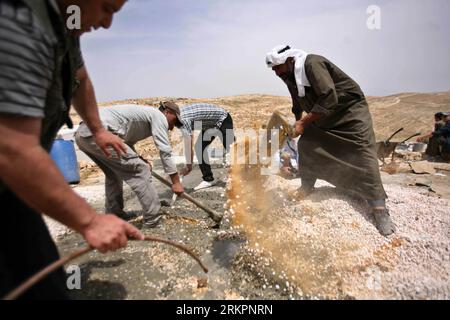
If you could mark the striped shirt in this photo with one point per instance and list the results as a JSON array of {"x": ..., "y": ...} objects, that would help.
[
  {"x": 202, "y": 116},
  {"x": 27, "y": 62}
]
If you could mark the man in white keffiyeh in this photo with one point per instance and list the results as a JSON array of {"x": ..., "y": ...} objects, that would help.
[
  {"x": 277, "y": 58},
  {"x": 337, "y": 142}
]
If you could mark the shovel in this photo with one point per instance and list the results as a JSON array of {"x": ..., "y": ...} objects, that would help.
[{"x": 175, "y": 196}]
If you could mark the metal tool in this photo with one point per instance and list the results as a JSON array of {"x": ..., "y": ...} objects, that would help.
[
  {"x": 175, "y": 196},
  {"x": 215, "y": 216},
  {"x": 385, "y": 148}
]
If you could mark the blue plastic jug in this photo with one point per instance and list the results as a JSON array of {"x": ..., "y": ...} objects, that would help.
[{"x": 64, "y": 155}]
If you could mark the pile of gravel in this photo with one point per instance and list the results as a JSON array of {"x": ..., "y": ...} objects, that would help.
[{"x": 327, "y": 245}]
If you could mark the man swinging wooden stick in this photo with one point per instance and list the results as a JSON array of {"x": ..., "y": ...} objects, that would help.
[{"x": 40, "y": 67}]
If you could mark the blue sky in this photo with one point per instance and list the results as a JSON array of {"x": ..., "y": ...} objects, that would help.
[{"x": 214, "y": 48}]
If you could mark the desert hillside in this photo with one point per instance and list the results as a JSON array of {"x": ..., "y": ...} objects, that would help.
[{"x": 412, "y": 111}]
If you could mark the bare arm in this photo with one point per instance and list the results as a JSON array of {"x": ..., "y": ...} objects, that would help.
[
  {"x": 310, "y": 117},
  {"x": 424, "y": 137},
  {"x": 85, "y": 104},
  {"x": 26, "y": 166},
  {"x": 176, "y": 184},
  {"x": 27, "y": 169}
]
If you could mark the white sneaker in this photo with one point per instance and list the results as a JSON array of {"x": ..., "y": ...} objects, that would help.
[{"x": 204, "y": 185}]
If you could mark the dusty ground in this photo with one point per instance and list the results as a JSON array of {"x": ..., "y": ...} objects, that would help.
[
  {"x": 155, "y": 271},
  {"x": 325, "y": 246}
]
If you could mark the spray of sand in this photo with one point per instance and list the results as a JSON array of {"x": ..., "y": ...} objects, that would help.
[{"x": 296, "y": 236}]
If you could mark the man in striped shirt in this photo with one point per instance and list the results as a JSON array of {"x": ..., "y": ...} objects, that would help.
[
  {"x": 213, "y": 121},
  {"x": 39, "y": 62}
]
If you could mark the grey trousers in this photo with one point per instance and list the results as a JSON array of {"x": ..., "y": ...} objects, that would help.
[{"x": 130, "y": 169}]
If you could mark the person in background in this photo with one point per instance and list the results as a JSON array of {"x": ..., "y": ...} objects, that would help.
[
  {"x": 433, "y": 142},
  {"x": 213, "y": 121},
  {"x": 443, "y": 136},
  {"x": 289, "y": 159}
]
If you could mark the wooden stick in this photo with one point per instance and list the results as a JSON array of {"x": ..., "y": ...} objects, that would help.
[
  {"x": 389, "y": 139},
  {"x": 217, "y": 217},
  {"x": 14, "y": 294}
]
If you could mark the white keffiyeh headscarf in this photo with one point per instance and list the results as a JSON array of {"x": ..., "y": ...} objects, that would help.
[{"x": 280, "y": 54}]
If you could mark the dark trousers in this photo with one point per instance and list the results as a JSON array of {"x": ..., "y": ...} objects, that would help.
[
  {"x": 204, "y": 141},
  {"x": 433, "y": 147},
  {"x": 25, "y": 248},
  {"x": 445, "y": 156}
]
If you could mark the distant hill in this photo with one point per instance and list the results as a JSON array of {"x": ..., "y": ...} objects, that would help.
[{"x": 412, "y": 111}]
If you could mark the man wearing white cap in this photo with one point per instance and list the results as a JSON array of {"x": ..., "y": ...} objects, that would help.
[
  {"x": 337, "y": 142},
  {"x": 134, "y": 123}
]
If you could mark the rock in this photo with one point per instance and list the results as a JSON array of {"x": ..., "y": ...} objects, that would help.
[
  {"x": 423, "y": 182},
  {"x": 442, "y": 166},
  {"x": 421, "y": 167},
  {"x": 404, "y": 168},
  {"x": 396, "y": 167},
  {"x": 408, "y": 155},
  {"x": 391, "y": 168},
  {"x": 441, "y": 190}
]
